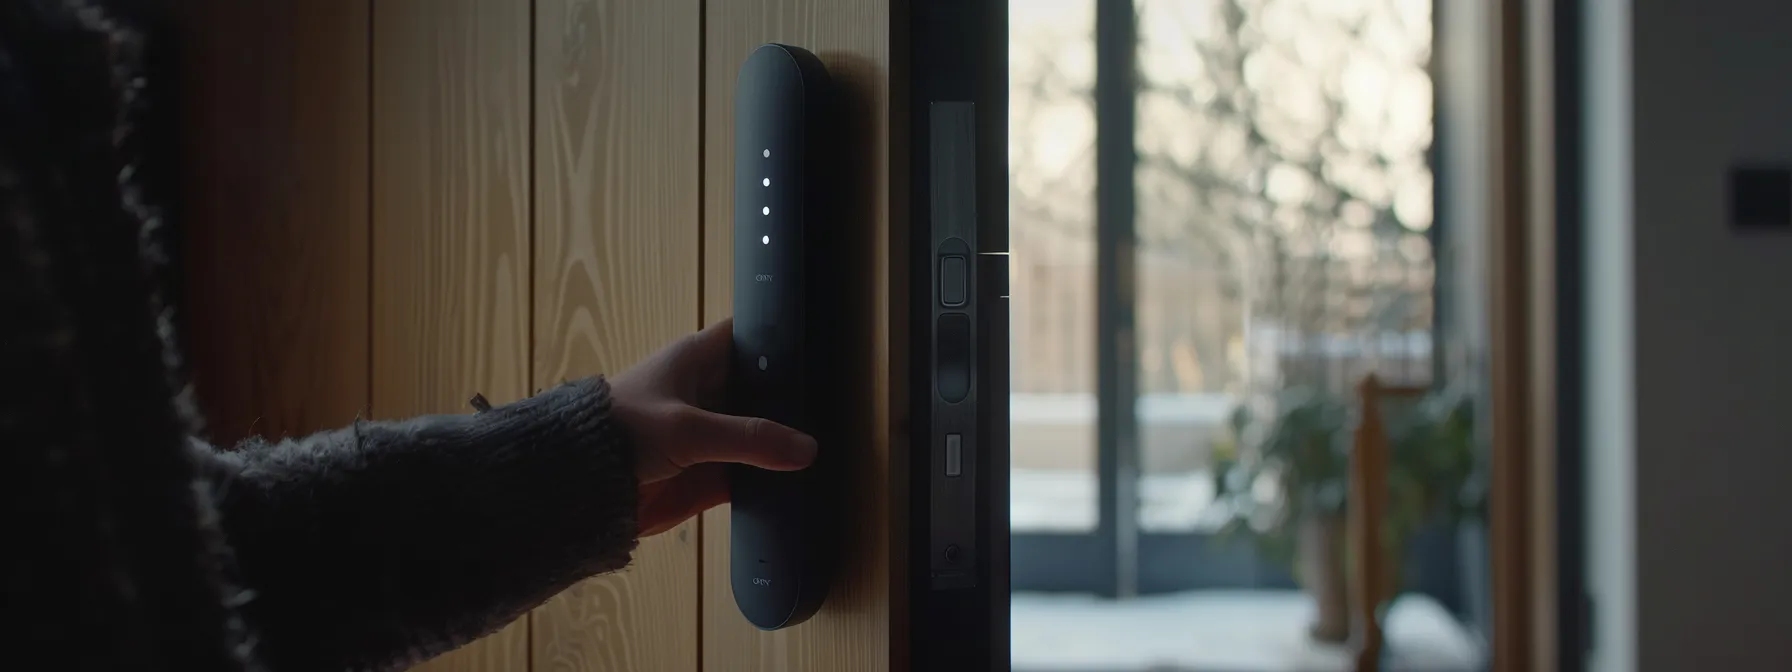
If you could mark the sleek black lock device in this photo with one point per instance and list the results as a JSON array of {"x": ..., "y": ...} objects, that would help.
[{"x": 787, "y": 312}]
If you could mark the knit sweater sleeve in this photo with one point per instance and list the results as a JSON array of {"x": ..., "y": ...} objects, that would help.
[{"x": 383, "y": 544}]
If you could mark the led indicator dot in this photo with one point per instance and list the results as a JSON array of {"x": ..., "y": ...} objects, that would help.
[
  {"x": 766, "y": 153},
  {"x": 765, "y": 240},
  {"x": 767, "y": 182},
  {"x": 765, "y": 210}
]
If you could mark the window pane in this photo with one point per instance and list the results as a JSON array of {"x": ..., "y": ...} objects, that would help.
[
  {"x": 1284, "y": 244},
  {"x": 1284, "y": 195},
  {"x": 1052, "y": 243}
]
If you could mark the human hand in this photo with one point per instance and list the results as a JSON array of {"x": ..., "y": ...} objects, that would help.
[{"x": 681, "y": 448}]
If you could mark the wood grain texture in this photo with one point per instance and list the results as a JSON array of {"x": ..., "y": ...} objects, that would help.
[
  {"x": 1522, "y": 260},
  {"x": 1509, "y": 347},
  {"x": 617, "y": 156},
  {"x": 275, "y": 221},
  {"x": 862, "y": 626},
  {"x": 451, "y": 218}
]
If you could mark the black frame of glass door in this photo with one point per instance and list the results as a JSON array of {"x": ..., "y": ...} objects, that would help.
[{"x": 1116, "y": 339}]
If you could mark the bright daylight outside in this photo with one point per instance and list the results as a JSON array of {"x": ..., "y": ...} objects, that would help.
[{"x": 1283, "y": 207}]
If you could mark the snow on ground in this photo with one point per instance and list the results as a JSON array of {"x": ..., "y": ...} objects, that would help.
[{"x": 1219, "y": 631}]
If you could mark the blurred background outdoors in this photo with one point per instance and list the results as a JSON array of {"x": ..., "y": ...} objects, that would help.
[{"x": 1284, "y": 244}]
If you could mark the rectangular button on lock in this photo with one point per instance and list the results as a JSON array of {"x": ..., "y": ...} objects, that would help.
[
  {"x": 952, "y": 281},
  {"x": 954, "y": 455}
]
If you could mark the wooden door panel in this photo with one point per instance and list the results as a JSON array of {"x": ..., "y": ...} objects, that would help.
[
  {"x": 617, "y": 188},
  {"x": 456, "y": 196},
  {"x": 275, "y": 221},
  {"x": 451, "y": 225}
]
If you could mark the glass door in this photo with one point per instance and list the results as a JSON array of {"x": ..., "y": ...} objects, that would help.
[
  {"x": 1223, "y": 222},
  {"x": 1062, "y": 534}
]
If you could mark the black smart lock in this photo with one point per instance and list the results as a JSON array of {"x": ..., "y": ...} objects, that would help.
[{"x": 787, "y": 305}]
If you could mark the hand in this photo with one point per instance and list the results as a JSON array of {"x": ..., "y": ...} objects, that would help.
[{"x": 681, "y": 448}]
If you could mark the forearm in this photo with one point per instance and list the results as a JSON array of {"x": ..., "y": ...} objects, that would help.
[{"x": 387, "y": 542}]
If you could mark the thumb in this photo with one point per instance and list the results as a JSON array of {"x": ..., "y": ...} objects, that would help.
[
  {"x": 714, "y": 437},
  {"x": 702, "y": 365}
]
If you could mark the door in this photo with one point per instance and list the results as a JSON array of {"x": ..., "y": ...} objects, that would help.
[{"x": 426, "y": 200}]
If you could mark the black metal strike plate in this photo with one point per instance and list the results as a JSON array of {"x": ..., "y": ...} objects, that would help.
[{"x": 953, "y": 437}]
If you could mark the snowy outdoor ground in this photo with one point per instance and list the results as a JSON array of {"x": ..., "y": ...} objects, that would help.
[
  {"x": 1219, "y": 631},
  {"x": 1203, "y": 631},
  {"x": 1063, "y": 501}
]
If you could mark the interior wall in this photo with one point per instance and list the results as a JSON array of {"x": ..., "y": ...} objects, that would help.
[
  {"x": 393, "y": 205},
  {"x": 1712, "y": 430},
  {"x": 1689, "y": 323}
]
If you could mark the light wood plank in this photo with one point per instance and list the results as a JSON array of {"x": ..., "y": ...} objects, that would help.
[
  {"x": 616, "y": 278},
  {"x": 862, "y": 624},
  {"x": 276, "y": 187},
  {"x": 451, "y": 223}
]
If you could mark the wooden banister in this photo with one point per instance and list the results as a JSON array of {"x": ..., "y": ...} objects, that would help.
[{"x": 1373, "y": 579}]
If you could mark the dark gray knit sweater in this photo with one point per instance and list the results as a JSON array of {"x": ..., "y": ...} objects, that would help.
[{"x": 125, "y": 544}]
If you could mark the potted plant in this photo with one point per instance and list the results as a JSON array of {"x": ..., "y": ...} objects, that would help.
[{"x": 1282, "y": 481}]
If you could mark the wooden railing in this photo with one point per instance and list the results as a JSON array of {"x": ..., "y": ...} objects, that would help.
[{"x": 1373, "y": 561}]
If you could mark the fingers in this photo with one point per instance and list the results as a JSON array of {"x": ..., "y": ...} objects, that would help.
[
  {"x": 667, "y": 504},
  {"x": 713, "y": 437}
]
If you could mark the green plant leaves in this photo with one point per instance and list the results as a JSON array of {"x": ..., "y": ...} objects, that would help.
[{"x": 1300, "y": 440}]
